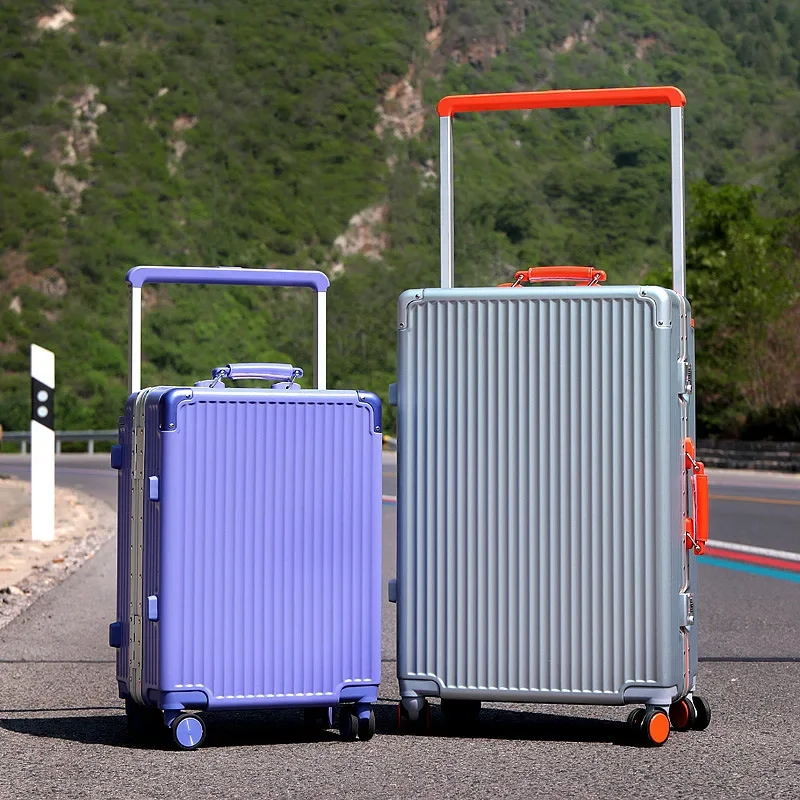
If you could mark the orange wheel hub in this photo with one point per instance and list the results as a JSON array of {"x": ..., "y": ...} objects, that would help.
[
  {"x": 658, "y": 728},
  {"x": 679, "y": 715}
]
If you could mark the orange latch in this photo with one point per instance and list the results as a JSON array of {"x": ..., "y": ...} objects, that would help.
[{"x": 697, "y": 526}]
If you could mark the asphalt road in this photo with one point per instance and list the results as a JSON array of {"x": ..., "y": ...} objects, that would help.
[{"x": 62, "y": 728}]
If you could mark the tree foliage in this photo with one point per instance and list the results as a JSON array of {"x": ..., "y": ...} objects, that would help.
[
  {"x": 744, "y": 279},
  {"x": 245, "y": 133}
]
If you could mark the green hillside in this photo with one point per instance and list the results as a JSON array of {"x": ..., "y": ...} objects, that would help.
[{"x": 302, "y": 134}]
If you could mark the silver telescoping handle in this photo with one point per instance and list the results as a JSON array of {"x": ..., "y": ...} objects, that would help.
[{"x": 563, "y": 98}]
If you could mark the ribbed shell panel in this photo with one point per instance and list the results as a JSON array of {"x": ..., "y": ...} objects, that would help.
[
  {"x": 271, "y": 548},
  {"x": 151, "y": 551},
  {"x": 124, "y": 498},
  {"x": 539, "y": 487}
]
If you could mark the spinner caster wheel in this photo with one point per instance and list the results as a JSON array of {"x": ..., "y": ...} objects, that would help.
[
  {"x": 682, "y": 714},
  {"x": 655, "y": 727},
  {"x": 348, "y": 723},
  {"x": 188, "y": 731},
  {"x": 702, "y": 713},
  {"x": 366, "y": 727},
  {"x": 635, "y": 719},
  {"x": 414, "y": 717}
]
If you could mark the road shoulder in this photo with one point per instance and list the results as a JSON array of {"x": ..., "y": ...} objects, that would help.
[{"x": 28, "y": 569}]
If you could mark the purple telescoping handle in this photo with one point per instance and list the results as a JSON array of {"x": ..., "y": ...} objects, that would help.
[
  {"x": 230, "y": 276},
  {"x": 252, "y": 371}
]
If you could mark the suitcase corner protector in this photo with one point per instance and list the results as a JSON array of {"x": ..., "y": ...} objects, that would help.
[
  {"x": 403, "y": 302},
  {"x": 168, "y": 406},
  {"x": 661, "y": 300},
  {"x": 374, "y": 402}
]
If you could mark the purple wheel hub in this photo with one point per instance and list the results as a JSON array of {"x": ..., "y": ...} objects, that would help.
[{"x": 189, "y": 732}]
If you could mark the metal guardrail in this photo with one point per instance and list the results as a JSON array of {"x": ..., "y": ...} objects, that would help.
[
  {"x": 777, "y": 456},
  {"x": 23, "y": 438},
  {"x": 734, "y": 454}
]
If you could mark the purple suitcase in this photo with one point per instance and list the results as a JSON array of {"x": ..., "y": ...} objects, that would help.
[{"x": 249, "y": 538}]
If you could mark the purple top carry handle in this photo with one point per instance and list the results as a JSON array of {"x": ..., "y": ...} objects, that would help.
[
  {"x": 264, "y": 372},
  {"x": 231, "y": 276}
]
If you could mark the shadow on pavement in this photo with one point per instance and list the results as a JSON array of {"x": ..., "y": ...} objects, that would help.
[
  {"x": 247, "y": 729},
  {"x": 56, "y": 661},
  {"x": 54, "y": 710},
  {"x": 107, "y": 729},
  {"x": 286, "y": 727},
  {"x": 224, "y": 730},
  {"x": 532, "y": 726}
]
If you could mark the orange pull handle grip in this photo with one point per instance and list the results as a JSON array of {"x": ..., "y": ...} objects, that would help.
[
  {"x": 561, "y": 98},
  {"x": 697, "y": 528},
  {"x": 580, "y": 276},
  {"x": 700, "y": 509}
]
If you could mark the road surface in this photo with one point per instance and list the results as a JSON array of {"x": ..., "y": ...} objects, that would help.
[{"x": 63, "y": 733}]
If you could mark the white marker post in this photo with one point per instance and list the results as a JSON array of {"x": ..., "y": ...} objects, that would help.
[{"x": 43, "y": 440}]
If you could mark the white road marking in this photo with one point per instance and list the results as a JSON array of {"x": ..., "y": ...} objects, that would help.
[{"x": 756, "y": 551}]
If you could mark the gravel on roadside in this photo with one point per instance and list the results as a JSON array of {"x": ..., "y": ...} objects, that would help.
[{"x": 28, "y": 569}]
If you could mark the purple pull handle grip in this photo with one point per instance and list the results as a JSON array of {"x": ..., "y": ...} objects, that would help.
[
  {"x": 231, "y": 276},
  {"x": 252, "y": 371}
]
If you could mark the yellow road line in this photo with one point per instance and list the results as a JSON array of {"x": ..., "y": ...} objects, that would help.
[{"x": 767, "y": 500}]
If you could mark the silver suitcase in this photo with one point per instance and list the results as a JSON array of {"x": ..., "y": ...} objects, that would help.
[{"x": 550, "y": 509}]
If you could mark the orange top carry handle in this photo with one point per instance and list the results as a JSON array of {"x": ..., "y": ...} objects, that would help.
[
  {"x": 580, "y": 276},
  {"x": 562, "y": 98}
]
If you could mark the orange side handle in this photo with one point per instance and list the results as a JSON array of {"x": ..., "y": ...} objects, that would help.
[
  {"x": 580, "y": 276},
  {"x": 697, "y": 528},
  {"x": 562, "y": 98},
  {"x": 700, "y": 509}
]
